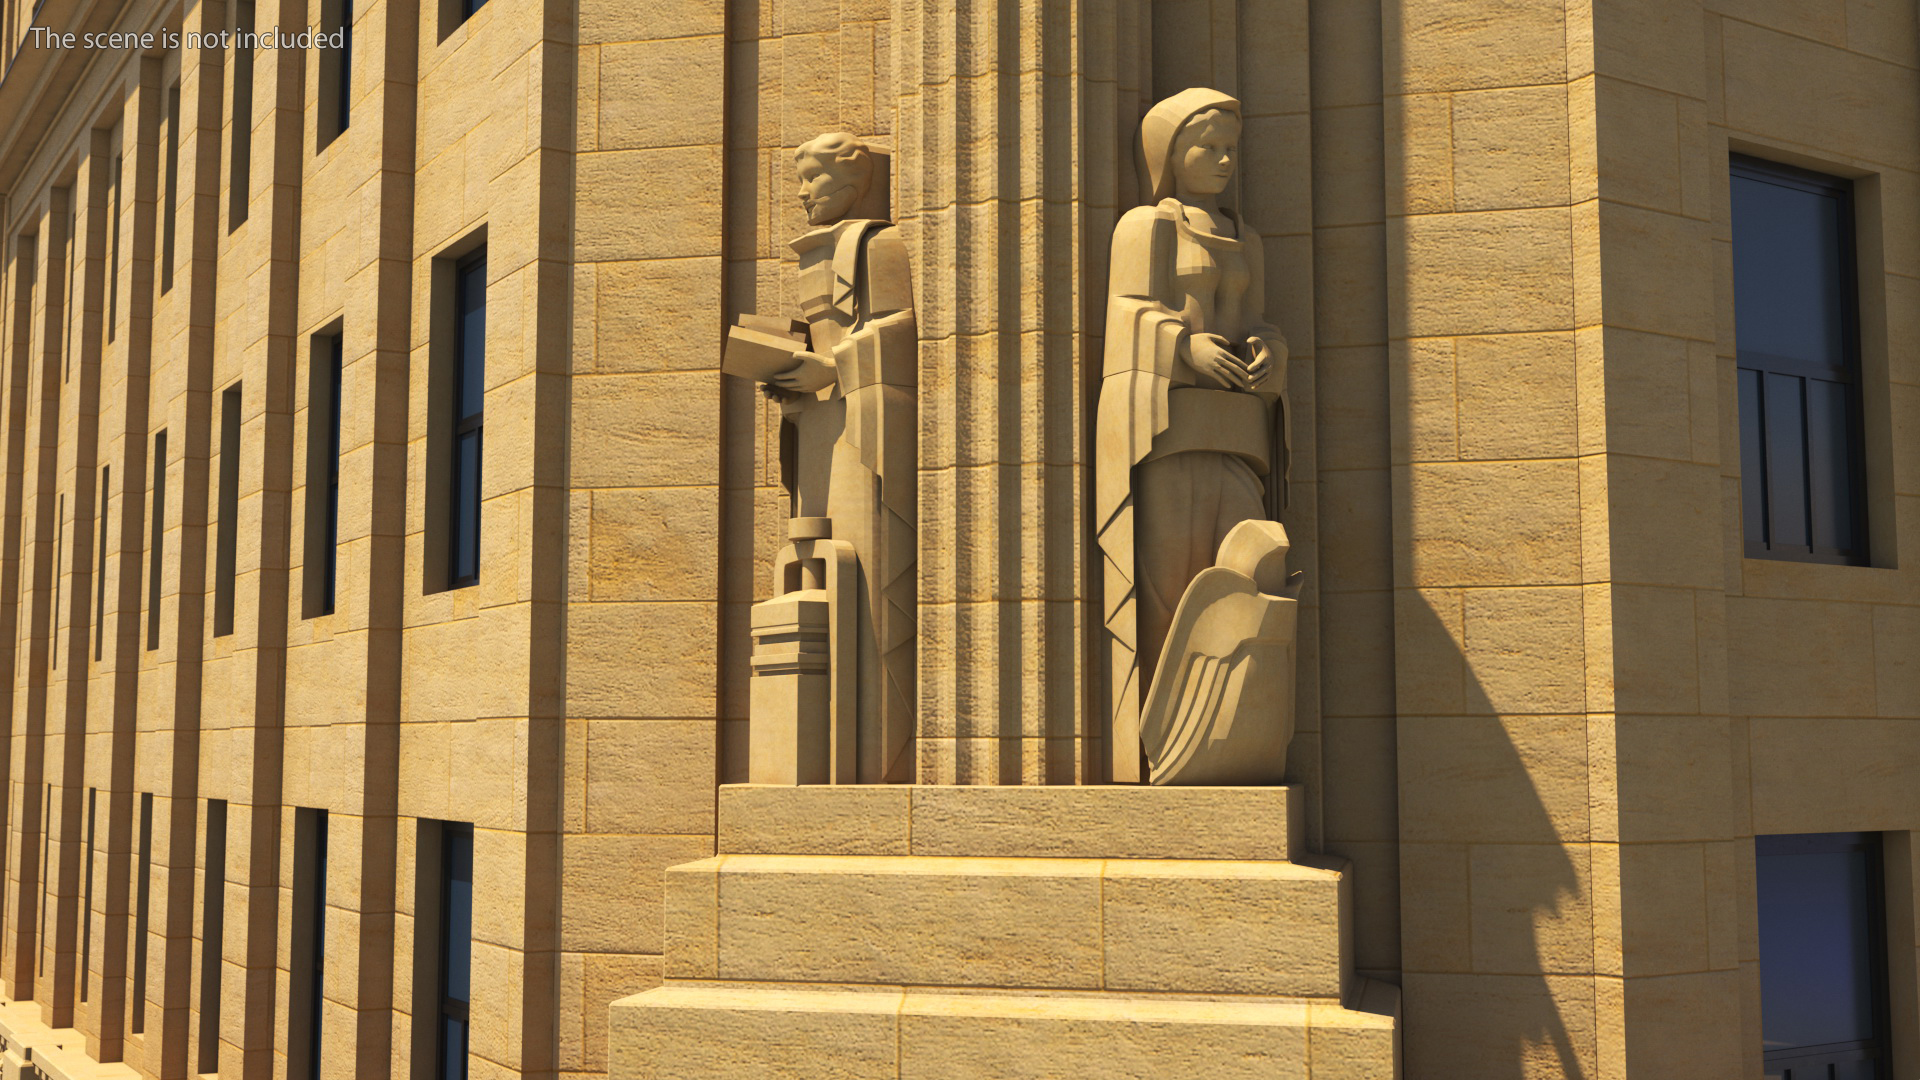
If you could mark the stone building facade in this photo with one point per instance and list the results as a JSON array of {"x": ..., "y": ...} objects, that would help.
[{"x": 373, "y": 495}]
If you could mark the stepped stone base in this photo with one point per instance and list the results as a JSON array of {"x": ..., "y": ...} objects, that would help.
[
  {"x": 1000, "y": 933},
  {"x": 701, "y": 1032}
]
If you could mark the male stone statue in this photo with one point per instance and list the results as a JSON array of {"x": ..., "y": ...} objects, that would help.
[{"x": 851, "y": 395}]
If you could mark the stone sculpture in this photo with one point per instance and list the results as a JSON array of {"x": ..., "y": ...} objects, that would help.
[
  {"x": 833, "y": 663},
  {"x": 1191, "y": 442}
]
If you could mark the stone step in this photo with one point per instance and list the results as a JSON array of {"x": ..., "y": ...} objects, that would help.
[
  {"x": 1087, "y": 822},
  {"x": 1155, "y": 925},
  {"x": 701, "y": 1032}
]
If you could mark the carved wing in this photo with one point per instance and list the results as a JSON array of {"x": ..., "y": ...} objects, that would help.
[{"x": 1221, "y": 707}]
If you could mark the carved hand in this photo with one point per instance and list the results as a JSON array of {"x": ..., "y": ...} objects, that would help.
[
  {"x": 1265, "y": 360},
  {"x": 1212, "y": 356},
  {"x": 812, "y": 374}
]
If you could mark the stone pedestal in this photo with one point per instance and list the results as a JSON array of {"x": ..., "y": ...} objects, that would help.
[
  {"x": 996, "y": 933},
  {"x": 792, "y": 690}
]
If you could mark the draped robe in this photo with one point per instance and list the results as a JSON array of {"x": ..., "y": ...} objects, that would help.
[
  {"x": 1180, "y": 458},
  {"x": 857, "y": 297}
]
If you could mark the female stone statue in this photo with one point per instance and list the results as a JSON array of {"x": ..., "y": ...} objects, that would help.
[{"x": 1191, "y": 421}]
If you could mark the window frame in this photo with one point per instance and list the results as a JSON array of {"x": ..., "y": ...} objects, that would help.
[
  {"x": 453, "y": 836},
  {"x": 226, "y": 531},
  {"x": 320, "y": 575},
  {"x": 465, "y": 424},
  {"x": 1880, "y": 1047},
  {"x": 1851, "y": 375}
]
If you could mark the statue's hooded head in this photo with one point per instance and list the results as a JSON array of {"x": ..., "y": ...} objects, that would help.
[
  {"x": 1161, "y": 130},
  {"x": 835, "y": 172}
]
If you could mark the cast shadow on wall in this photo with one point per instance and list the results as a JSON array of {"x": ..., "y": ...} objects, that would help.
[{"x": 1497, "y": 927}]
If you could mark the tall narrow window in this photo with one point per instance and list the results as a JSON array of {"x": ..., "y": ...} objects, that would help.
[
  {"x": 469, "y": 399},
  {"x": 310, "y": 944},
  {"x": 142, "y": 897},
  {"x": 336, "y": 70},
  {"x": 345, "y": 103},
  {"x": 59, "y": 560},
  {"x": 456, "y": 949},
  {"x": 70, "y": 309},
  {"x": 155, "y": 553},
  {"x": 1823, "y": 978},
  {"x": 86, "y": 899},
  {"x": 46, "y": 865},
  {"x": 1796, "y": 318},
  {"x": 113, "y": 260},
  {"x": 171, "y": 192},
  {"x": 240, "y": 179},
  {"x": 455, "y": 12},
  {"x": 227, "y": 534},
  {"x": 323, "y": 474},
  {"x": 213, "y": 913},
  {"x": 100, "y": 569}
]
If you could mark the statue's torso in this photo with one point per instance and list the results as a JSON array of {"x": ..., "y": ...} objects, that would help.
[{"x": 1210, "y": 272}]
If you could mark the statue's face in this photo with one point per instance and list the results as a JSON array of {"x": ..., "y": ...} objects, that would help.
[
  {"x": 1205, "y": 152},
  {"x": 828, "y": 189}
]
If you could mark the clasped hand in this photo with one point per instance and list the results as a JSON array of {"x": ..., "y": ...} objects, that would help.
[
  {"x": 1212, "y": 355},
  {"x": 812, "y": 374}
]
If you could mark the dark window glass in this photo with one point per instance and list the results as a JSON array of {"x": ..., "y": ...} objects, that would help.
[
  {"x": 308, "y": 975},
  {"x": 1822, "y": 956},
  {"x": 333, "y": 470},
  {"x": 227, "y": 526},
  {"x": 100, "y": 571},
  {"x": 142, "y": 896},
  {"x": 323, "y": 473},
  {"x": 469, "y": 396},
  {"x": 155, "y": 553},
  {"x": 345, "y": 104},
  {"x": 1796, "y": 319},
  {"x": 241, "y": 182},
  {"x": 41, "y": 944},
  {"x": 171, "y": 193},
  {"x": 334, "y": 94},
  {"x": 329, "y": 356},
  {"x": 86, "y": 899},
  {"x": 113, "y": 260},
  {"x": 213, "y": 912},
  {"x": 68, "y": 299},
  {"x": 456, "y": 948},
  {"x": 59, "y": 561}
]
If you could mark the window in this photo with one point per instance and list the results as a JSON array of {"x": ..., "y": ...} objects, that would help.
[
  {"x": 100, "y": 571},
  {"x": 171, "y": 195},
  {"x": 42, "y": 945},
  {"x": 456, "y": 950},
  {"x": 59, "y": 560},
  {"x": 469, "y": 398},
  {"x": 159, "y": 536},
  {"x": 86, "y": 899},
  {"x": 1823, "y": 998},
  {"x": 143, "y": 890},
  {"x": 70, "y": 307},
  {"x": 1796, "y": 318},
  {"x": 455, "y": 12},
  {"x": 240, "y": 171},
  {"x": 213, "y": 914},
  {"x": 226, "y": 540},
  {"x": 322, "y": 561},
  {"x": 336, "y": 70},
  {"x": 113, "y": 262},
  {"x": 309, "y": 944}
]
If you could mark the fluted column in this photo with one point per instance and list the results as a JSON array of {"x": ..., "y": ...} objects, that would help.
[{"x": 1007, "y": 192}]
